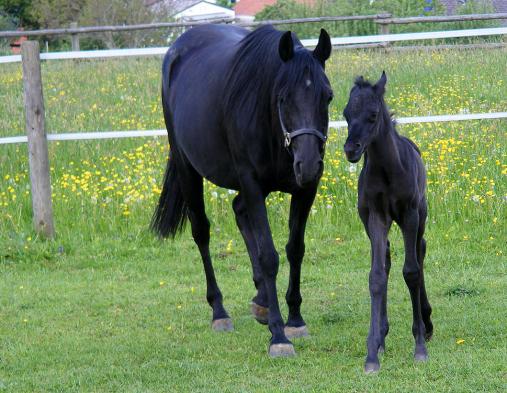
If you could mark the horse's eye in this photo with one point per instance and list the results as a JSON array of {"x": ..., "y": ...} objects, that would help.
[{"x": 372, "y": 118}]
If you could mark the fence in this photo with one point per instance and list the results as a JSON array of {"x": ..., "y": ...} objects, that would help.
[
  {"x": 383, "y": 20},
  {"x": 34, "y": 107},
  {"x": 336, "y": 42}
]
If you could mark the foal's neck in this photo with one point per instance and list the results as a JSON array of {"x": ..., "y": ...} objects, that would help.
[{"x": 383, "y": 149}]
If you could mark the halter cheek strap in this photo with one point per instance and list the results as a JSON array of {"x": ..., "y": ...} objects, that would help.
[{"x": 289, "y": 136}]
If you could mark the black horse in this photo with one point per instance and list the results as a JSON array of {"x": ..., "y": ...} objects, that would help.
[
  {"x": 248, "y": 111},
  {"x": 392, "y": 187}
]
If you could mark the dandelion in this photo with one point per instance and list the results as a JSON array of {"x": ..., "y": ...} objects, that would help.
[{"x": 460, "y": 341}]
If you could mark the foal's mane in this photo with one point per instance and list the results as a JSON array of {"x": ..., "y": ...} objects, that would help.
[
  {"x": 255, "y": 71},
  {"x": 361, "y": 83}
]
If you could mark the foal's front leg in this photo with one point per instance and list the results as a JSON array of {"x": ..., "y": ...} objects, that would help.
[
  {"x": 300, "y": 206},
  {"x": 412, "y": 274},
  {"x": 377, "y": 231},
  {"x": 269, "y": 262}
]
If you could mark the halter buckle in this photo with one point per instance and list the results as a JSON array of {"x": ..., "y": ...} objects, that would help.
[{"x": 287, "y": 139}]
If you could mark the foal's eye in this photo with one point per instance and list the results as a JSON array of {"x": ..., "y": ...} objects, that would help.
[{"x": 372, "y": 118}]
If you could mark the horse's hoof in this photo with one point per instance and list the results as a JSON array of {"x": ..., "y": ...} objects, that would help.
[
  {"x": 281, "y": 350},
  {"x": 296, "y": 332},
  {"x": 381, "y": 349},
  {"x": 421, "y": 357},
  {"x": 222, "y": 325},
  {"x": 260, "y": 313},
  {"x": 428, "y": 336},
  {"x": 371, "y": 368}
]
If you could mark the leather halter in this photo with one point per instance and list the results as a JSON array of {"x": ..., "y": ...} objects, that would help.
[{"x": 289, "y": 136}]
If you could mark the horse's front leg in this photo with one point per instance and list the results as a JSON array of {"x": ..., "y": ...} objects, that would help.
[
  {"x": 300, "y": 206},
  {"x": 378, "y": 228},
  {"x": 269, "y": 262},
  {"x": 259, "y": 305},
  {"x": 412, "y": 273}
]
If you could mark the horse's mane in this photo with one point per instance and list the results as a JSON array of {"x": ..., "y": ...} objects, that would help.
[{"x": 254, "y": 72}]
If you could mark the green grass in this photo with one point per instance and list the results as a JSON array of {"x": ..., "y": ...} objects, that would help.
[{"x": 106, "y": 307}]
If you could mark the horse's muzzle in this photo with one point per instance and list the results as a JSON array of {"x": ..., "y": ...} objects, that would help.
[{"x": 308, "y": 173}]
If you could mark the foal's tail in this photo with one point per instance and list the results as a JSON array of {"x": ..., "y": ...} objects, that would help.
[{"x": 172, "y": 211}]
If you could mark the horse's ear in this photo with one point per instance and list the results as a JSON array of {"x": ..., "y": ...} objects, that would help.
[
  {"x": 286, "y": 46},
  {"x": 380, "y": 86},
  {"x": 323, "y": 49}
]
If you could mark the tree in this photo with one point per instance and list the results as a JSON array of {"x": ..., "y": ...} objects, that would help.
[
  {"x": 57, "y": 13},
  {"x": 15, "y": 13},
  {"x": 121, "y": 12}
]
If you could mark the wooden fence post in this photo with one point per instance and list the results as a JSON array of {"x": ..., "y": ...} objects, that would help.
[
  {"x": 384, "y": 27},
  {"x": 37, "y": 142},
  {"x": 74, "y": 38}
]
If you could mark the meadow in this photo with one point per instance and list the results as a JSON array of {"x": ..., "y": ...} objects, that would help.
[{"x": 106, "y": 306}]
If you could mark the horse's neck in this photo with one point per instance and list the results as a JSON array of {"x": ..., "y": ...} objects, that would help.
[{"x": 383, "y": 149}]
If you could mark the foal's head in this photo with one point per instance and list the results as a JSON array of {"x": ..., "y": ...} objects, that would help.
[
  {"x": 303, "y": 93},
  {"x": 364, "y": 114}
]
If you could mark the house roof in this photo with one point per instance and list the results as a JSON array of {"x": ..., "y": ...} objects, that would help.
[
  {"x": 252, "y": 7},
  {"x": 201, "y": 1},
  {"x": 175, "y": 6}
]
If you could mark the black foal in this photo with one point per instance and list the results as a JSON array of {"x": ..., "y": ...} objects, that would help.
[{"x": 391, "y": 188}]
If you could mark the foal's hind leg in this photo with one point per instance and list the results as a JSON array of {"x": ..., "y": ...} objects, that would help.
[
  {"x": 412, "y": 274},
  {"x": 421, "y": 253},
  {"x": 384, "y": 323},
  {"x": 260, "y": 301},
  {"x": 192, "y": 188}
]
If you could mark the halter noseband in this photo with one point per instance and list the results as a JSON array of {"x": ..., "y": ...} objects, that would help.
[{"x": 289, "y": 136}]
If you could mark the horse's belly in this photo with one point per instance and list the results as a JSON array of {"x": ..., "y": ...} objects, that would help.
[{"x": 210, "y": 157}]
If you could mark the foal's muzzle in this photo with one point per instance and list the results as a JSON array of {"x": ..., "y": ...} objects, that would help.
[{"x": 353, "y": 151}]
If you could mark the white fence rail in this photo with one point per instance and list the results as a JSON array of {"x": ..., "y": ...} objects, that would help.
[
  {"x": 76, "y": 136},
  {"x": 336, "y": 41}
]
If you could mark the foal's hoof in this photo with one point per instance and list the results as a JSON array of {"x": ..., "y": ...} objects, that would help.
[
  {"x": 260, "y": 313},
  {"x": 222, "y": 325},
  {"x": 428, "y": 336},
  {"x": 381, "y": 349},
  {"x": 296, "y": 332},
  {"x": 371, "y": 368},
  {"x": 281, "y": 350}
]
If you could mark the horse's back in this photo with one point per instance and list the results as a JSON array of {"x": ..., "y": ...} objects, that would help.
[{"x": 194, "y": 72}]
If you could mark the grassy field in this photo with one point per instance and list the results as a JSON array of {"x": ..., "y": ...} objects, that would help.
[{"x": 106, "y": 307}]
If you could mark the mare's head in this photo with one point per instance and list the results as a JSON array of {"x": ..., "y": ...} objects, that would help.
[
  {"x": 364, "y": 113},
  {"x": 303, "y": 93}
]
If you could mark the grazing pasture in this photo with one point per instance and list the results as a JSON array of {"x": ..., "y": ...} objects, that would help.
[{"x": 107, "y": 307}]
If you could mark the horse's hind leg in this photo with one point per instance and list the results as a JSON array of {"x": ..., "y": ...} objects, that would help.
[
  {"x": 260, "y": 301},
  {"x": 421, "y": 253},
  {"x": 192, "y": 188}
]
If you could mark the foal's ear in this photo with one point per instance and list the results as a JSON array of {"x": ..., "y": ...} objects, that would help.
[
  {"x": 286, "y": 46},
  {"x": 323, "y": 49},
  {"x": 380, "y": 86}
]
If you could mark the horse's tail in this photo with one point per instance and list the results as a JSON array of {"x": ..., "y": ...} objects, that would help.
[{"x": 172, "y": 211}]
